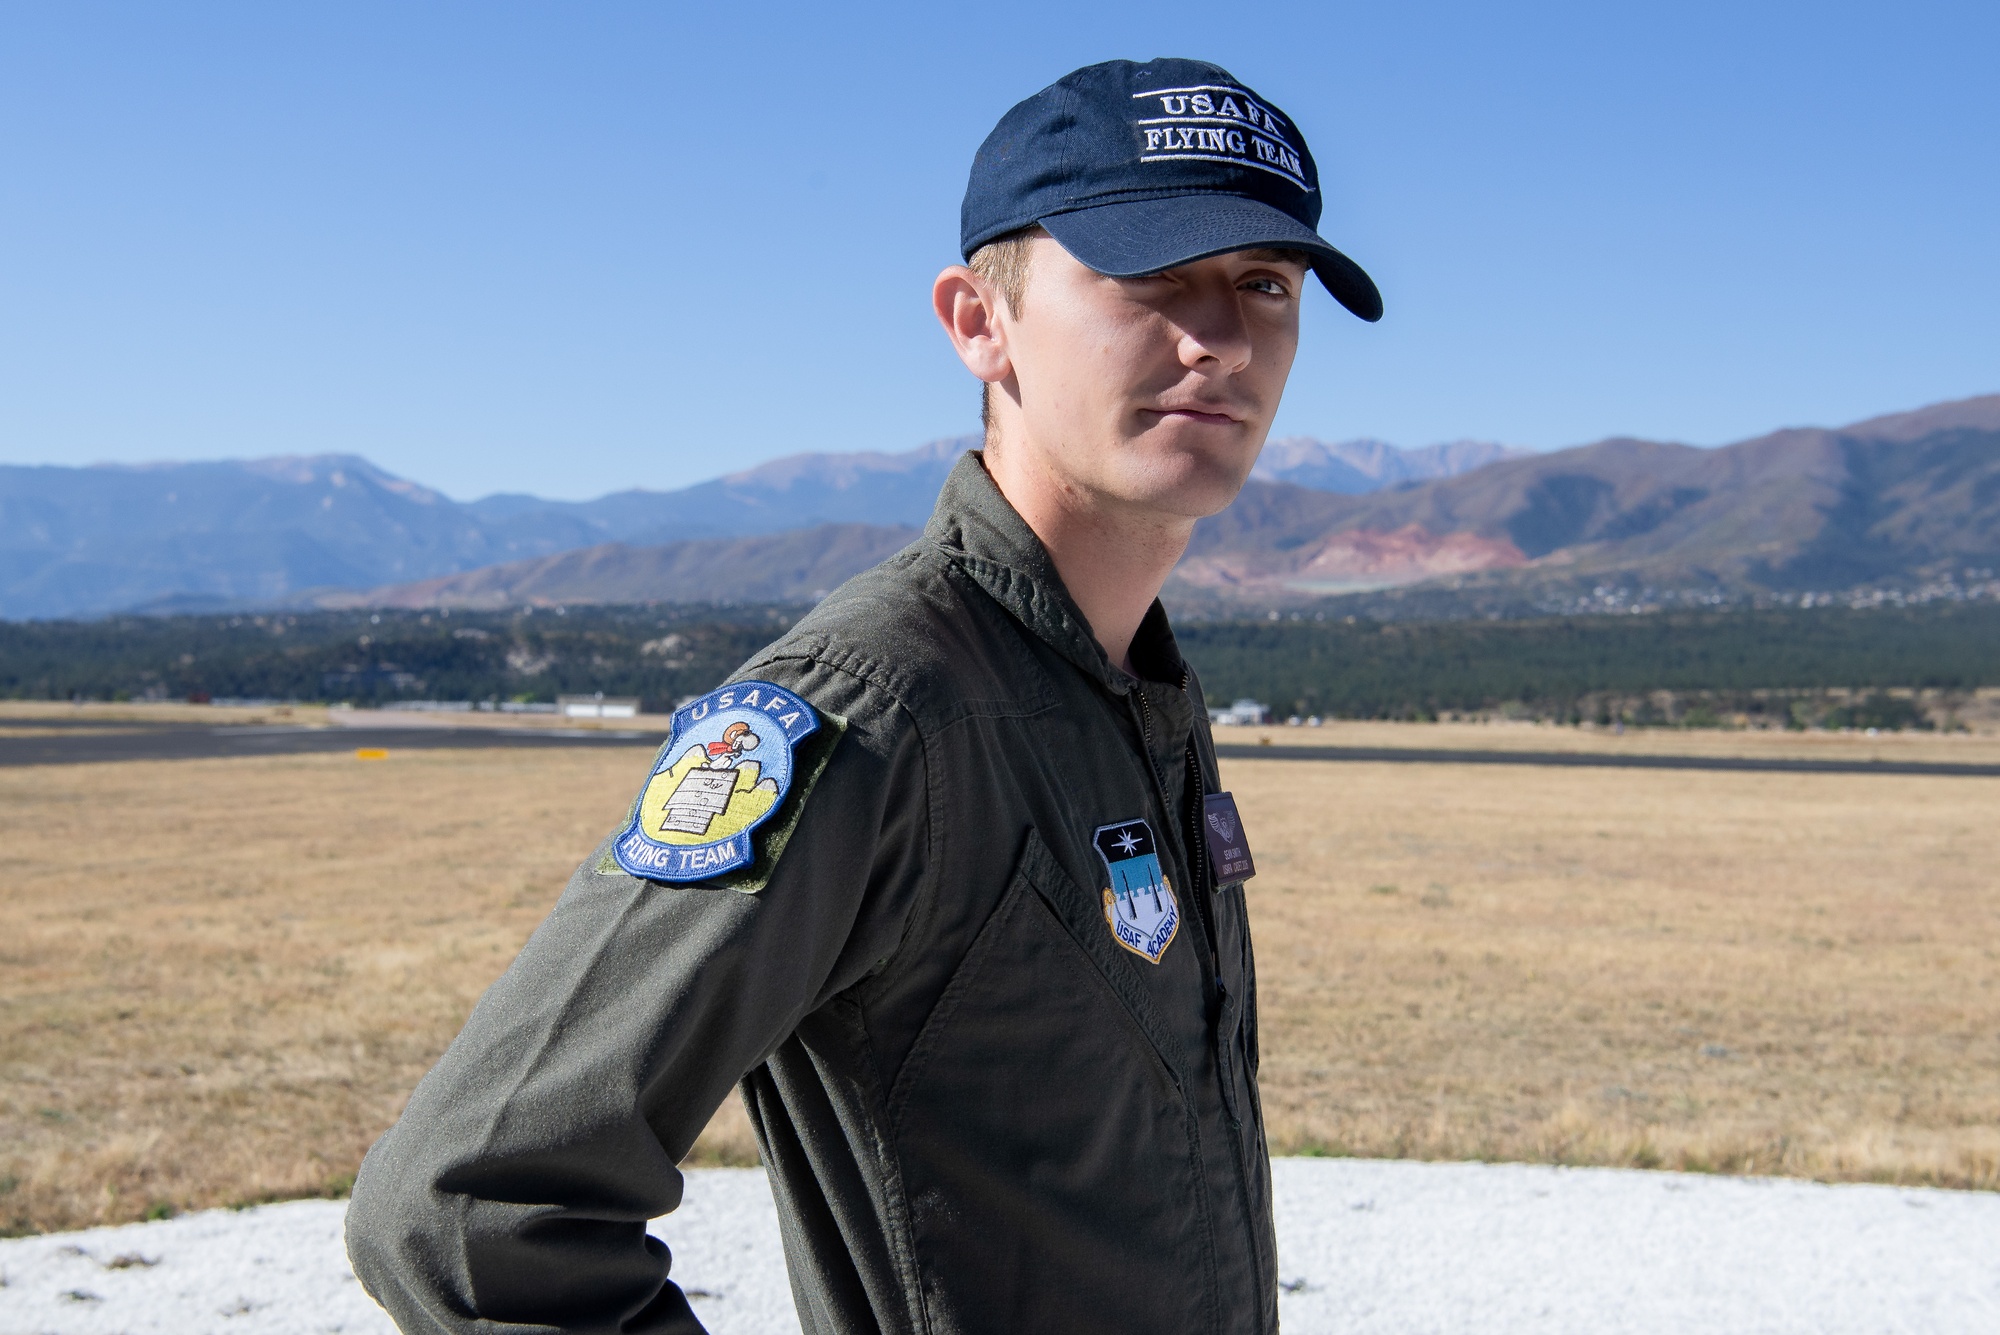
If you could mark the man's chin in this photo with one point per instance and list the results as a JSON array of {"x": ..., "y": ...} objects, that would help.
[{"x": 1187, "y": 486}]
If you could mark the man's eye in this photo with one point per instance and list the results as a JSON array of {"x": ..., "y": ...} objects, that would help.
[{"x": 1274, "y": 286}]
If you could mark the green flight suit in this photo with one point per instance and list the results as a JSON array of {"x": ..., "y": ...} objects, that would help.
[{"x": 979, "y": 1111}]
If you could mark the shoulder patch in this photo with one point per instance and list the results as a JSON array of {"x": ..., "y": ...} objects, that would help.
[{"x": 729, "y": 761}]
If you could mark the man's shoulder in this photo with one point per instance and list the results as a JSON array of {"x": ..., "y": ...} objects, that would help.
[{"x": 913, "y": 635}]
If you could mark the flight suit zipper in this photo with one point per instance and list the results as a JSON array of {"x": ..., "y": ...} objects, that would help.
[
  {"x": 1198, "y": 882},
  {"x": 1195, "y": 842}
]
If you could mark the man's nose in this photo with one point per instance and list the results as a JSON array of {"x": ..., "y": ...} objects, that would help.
[{"x": 1213, "y": 328}]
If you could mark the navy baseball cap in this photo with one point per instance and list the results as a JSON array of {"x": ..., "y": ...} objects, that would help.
[{"x": 1136, "y": 168}]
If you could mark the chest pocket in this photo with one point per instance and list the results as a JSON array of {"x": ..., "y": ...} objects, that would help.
[{"x": 1048, "y": 1154}]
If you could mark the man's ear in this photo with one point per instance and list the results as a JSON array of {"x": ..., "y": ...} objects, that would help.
[{"x": 968, "y": 306}]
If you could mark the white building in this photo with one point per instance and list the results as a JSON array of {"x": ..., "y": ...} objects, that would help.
[
  {"x": 1245, "y": 713},
  {"x": 597, "y": 706}
]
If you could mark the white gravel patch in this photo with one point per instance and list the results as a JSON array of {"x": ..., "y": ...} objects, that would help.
[
  {"x": 1368, "y": 1247},
  {"x": 274, "y": 1268},
  {"x": 1391, "y": 1248}
]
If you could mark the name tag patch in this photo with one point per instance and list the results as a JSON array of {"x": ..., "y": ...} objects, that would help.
[
  {"x": 1228, "y": 847},
  {"x": 1139, "y": 903},
  {"x": 727, "y": 765}
]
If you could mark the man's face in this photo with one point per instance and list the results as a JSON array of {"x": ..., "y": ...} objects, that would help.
[{"x": 1152, "y": 394}]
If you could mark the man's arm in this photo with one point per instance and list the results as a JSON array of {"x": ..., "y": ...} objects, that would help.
[{"x": 515, "y": 1190}]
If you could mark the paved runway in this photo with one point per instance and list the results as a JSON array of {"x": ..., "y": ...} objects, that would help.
[
  {"x": 76, "y": 742},
  {"x": 125, "y": 741}
]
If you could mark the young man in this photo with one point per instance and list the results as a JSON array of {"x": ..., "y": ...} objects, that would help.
[{"x": 956, "y": 928}]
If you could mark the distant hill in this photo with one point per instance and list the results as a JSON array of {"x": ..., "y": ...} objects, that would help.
[
  {"x": 1358, "y": 466},
  {"x": 797, "y": 491},
  {"x": 85, "y": 540},
  {"x": 284, "y": 531},
  {"x": 1901, "y": 499},
  {"x": 800, "y": 566}
]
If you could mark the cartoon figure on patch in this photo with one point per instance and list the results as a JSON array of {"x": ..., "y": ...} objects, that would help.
[
  {"x": 706, "y": 796},
  {"x": 736, "y": 739},
  {"x": 1139, "y": 903}
]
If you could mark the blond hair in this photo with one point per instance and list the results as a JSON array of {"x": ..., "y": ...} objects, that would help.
[{"x": 1003, "y": 262}]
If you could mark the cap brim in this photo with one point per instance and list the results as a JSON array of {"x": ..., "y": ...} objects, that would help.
[{"x": 1147, "y": 235}]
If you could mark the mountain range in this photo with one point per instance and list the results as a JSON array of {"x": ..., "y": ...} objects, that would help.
[
  {"x": 1902, "y": 500},
  {"x": 306, "y": 530},
  {"x": 1909, "y": 501},
  {"x": 1906, "y": 501}
]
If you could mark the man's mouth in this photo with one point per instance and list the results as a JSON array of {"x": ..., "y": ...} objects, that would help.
[{"x": 1199, "y": 415}]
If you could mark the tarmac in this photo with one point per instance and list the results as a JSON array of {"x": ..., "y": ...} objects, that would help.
[
  {"x": 87, "y": 742},
  {"x": 1395, "y": 755},
  {"x": 93, "y": 741}
]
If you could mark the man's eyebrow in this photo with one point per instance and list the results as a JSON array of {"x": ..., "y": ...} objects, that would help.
[{"x": 1271, "y": 256}]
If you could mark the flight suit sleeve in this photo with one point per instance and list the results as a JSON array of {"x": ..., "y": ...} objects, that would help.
[{"x": 513, "y": 1193}]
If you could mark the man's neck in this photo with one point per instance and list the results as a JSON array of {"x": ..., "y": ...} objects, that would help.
[{"x": 1112, "y": 561}]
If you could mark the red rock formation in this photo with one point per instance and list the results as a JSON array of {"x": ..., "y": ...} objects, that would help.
[{"x": 1354, "y": 560}]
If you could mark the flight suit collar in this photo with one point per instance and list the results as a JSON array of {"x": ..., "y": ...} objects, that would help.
[{"x": 986, "y": 537}]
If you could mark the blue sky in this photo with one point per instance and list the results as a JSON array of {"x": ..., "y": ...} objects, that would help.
[{"x": 567, "y": 249}]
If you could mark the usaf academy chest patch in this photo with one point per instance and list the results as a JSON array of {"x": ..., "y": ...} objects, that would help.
[
  {"x": 1139, "y": 903},
  {"x": 727, "y": 765}
]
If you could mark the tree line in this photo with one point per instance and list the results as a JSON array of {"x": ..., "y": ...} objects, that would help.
[
  {"x": 1602, "y": 667},
  {"x": 1564, "y": 667},
  {"x": 659, "y": 654}
]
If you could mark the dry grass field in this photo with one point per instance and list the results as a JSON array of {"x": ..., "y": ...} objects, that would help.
[
  {"x": 220, "y": 978},
  {"x": 1794, "y": 974}
]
